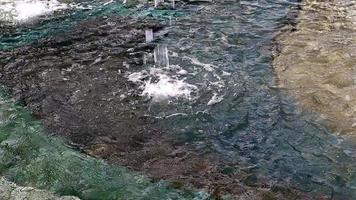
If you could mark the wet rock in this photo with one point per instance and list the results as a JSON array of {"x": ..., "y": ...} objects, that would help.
[
  {"x": 11, "y": 191},
  {"x": 251, "y": 180},
  {"x": 316, "y": 63}
]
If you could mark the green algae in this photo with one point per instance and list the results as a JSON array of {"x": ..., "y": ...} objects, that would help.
[
  {"x": 29, "y": 157},
  {"x": 12, "y": 36}
]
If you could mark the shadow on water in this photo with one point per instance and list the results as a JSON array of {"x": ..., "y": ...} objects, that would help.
[{"x": 192, "y": 99}]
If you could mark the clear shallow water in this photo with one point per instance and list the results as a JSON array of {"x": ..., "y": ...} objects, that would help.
[
  {"x": 323, "y": 49},
  {"x": 210, "y": 82},
  {"x": 31, "y": 158},
  {"x": 251, "y": 121}
]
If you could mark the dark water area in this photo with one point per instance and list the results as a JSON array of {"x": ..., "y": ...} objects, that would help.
[{"x": 198, "y": 105}]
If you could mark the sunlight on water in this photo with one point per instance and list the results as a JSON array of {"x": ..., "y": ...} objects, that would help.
[{"x": 21, "y": 10}]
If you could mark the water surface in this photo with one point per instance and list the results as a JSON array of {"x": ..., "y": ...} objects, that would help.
[{"x": 199, "y": 104}]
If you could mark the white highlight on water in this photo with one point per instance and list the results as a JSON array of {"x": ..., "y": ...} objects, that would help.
[
  {"x": 215, "y": 99},
  {"x": 167, "y": 87},
  {"x": 149, "y": 35},
  {"x": 195, "y": 61},
  {"x": 163, "y": 81},
  {"x": 21, "y": 10},
  {"x": 157, "y": 2},
  {"x": 137, "y": 77},
  {"x": 161, "y": 57},
  {"x": 160, "y": 86}
]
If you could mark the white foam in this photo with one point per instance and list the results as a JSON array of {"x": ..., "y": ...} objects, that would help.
[
  {"x": 226, "y": 73},
  {"x": 160, "y": 86},
  {"x": 195, "y": 61},
  {"x": 21, "y": 10},
  {"x": 167, "y": 87},
  {"x": 182, "y": 72},
  {"x": 108, "y": 2},
  {"x": 137, "y": 77},
  {"x": 215, "y": 99}
]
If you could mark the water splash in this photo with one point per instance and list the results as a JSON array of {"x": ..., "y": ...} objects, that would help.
[
  {"x": 161, "y": 57},
  {"x": 75, "y": 12},
  {"x": 167, "y": 87},
  {"x": 23, "y": 10},
  {"x": 149, "y": 35}
]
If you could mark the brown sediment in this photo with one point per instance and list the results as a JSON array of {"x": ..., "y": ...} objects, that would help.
[{"x": 317, "y": 62}]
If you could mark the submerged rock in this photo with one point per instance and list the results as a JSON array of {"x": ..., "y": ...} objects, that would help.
[
  {"x": 73, "y": 84},
  {"x": 11, "y": 191},
  {"x": 47, "y": 163},
  {"x": 316, "y": 62}
]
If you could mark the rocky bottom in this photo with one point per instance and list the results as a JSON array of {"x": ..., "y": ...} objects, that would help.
[
  {"x": 75, "y": 85},
  {"x": 316, "y": 63},
  {"x": 11, "y": 191}
]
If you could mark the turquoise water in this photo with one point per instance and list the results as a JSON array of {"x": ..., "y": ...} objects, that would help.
[
  {"x": 31, "y": 158},
  {"x": 63, "y": 19},
  {"x": 225, "y": 50}
]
